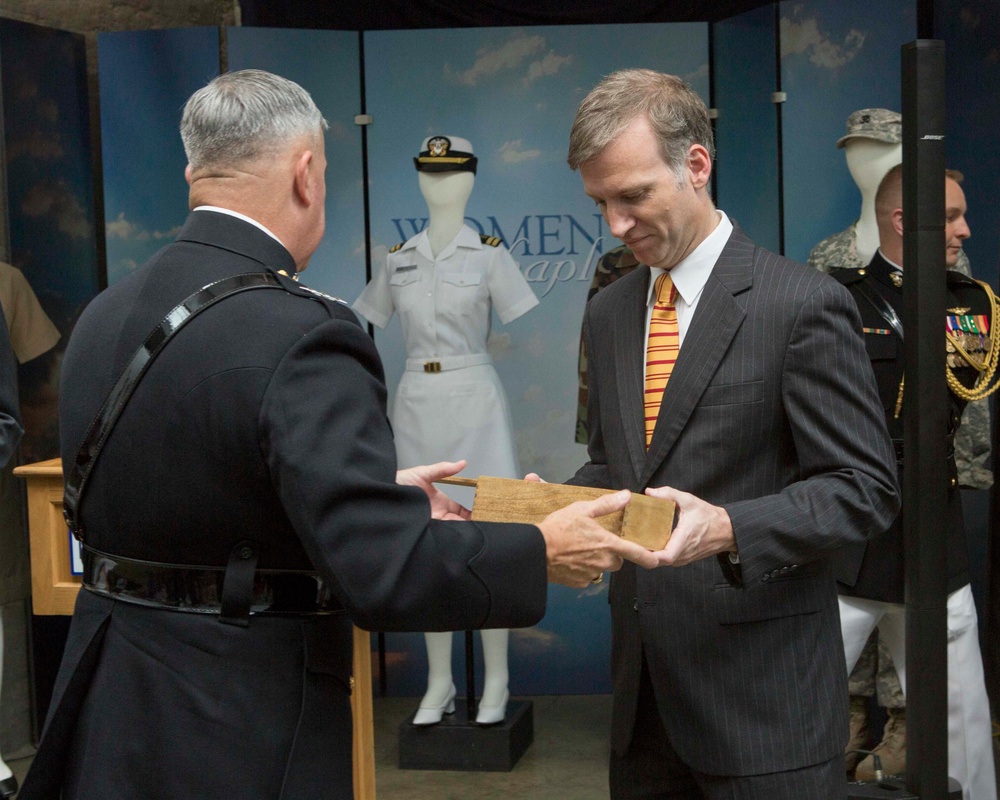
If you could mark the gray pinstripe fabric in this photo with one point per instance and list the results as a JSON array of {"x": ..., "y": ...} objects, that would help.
[{"x": 771, "y": 412}]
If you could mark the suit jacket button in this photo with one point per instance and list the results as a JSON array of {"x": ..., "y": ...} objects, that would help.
[{"x": 635, "y": 603}]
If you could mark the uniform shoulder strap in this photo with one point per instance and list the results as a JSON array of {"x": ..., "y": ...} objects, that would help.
[{"x": 78, "y": 472}]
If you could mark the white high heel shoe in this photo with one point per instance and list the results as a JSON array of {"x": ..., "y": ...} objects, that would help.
[
  {"x": 491, "y": 715},
  {"x": 432, "y": 715}
]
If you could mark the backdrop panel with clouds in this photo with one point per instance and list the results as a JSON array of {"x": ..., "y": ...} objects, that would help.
[
  {"x": 324, "y": 63},
  {"x": 145, "y": 78},
  {"x": 835, "y": 59},
  {"x": 513, "y": 93}
]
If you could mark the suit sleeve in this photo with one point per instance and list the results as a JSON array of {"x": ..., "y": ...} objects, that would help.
[
  {"x": 846, "y": 489},
  {"x": 10, "y": 414},
  {"x": 330, "y": 451}
]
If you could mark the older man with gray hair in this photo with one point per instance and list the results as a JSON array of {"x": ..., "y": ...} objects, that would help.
[{"x": 238, "y": 500}]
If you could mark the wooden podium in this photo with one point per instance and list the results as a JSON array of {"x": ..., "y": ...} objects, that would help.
[{"x": 54, "y": 588}]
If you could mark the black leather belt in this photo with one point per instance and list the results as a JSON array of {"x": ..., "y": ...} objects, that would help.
[{"x": 200, "y": 590}]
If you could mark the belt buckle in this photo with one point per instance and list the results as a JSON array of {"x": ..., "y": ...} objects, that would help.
[{"x": 432, "y": 366}]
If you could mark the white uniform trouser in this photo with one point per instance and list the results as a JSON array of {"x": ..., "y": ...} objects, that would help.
[{"x": 970, "y": 744}]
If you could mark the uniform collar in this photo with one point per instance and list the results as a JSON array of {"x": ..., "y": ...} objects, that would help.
[
  {"x": 886, "y": 271},
  {"x": 231, "y": 232},
  {"x": 466, "y": 237}
]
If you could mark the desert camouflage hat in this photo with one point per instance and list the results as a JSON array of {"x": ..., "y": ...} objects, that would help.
[
  {"x": 445, "y": 154},
  {"x": 879, "y": 124}
]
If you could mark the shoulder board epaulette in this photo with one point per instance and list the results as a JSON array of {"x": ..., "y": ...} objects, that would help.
[
  {"x": 956, "y": 278},
  {"x": 492, "y": 241},
  {"x": 324, "y": 295},
  {"x": 848, "y": 275},
  {"x": 292, "y": 286},
  {"x": 396, "y": 247}
]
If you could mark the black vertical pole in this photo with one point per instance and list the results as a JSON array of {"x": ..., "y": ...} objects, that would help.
[
  {"x": 779, "y": 138},
  {"x": 925, "y": 479}
]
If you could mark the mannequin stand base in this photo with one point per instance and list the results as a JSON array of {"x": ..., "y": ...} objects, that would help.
[
  {"x": 893, "y": 787},
  {"x": 455, "y": 743}
]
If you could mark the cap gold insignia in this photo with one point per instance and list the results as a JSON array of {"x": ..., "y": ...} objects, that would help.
[{"x": 438, "y": 147}]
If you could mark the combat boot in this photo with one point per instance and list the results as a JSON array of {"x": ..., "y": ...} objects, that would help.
[
  {"x": 859, "y": 733},
  {"x": 891, "y": 750}
]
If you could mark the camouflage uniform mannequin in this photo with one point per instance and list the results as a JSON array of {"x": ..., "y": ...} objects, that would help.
[{"x": 614, "y": 264}]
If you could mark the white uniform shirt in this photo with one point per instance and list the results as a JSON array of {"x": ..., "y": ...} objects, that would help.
[{"x": 444, "y": 303}]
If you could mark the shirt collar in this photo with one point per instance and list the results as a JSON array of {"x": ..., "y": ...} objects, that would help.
[
  {"x": 691, "y": 274},
  {"x": 891, "y": 263},
  {"x": 466, "y": 237}
]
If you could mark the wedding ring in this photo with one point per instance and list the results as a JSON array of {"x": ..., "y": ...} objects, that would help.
[{"x": 598, "y": 579}]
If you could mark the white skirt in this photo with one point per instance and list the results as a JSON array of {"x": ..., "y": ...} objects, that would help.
[{"x": 447, "y": 416}]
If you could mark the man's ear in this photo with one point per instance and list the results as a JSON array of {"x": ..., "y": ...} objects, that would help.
[
  {"x": 304, "y": 183},
  {"x": 187, "y": 174},
  {"x": 897, "y": 221},
  {"x": 699, "y": 164}
]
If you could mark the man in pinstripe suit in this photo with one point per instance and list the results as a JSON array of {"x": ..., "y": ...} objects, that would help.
[{"x": 727, "y": 663}]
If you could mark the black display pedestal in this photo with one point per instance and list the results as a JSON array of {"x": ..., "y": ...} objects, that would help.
[
  {"x": 893, "y": 788},
  {"x": 457, "y": 744}
]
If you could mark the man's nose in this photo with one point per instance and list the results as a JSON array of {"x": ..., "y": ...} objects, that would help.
[
  {"x": 962, "y": 229},
  {"x": 619, "y": 222}
]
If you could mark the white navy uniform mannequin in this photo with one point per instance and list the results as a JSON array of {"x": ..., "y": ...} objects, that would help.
[{"x": 450, "y": 404}]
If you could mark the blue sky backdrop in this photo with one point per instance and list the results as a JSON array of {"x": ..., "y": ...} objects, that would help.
[
  {"x": 835, "y": 59},
  {"x": 513, "y": 92},
  {"x": 145, "y": 79}
]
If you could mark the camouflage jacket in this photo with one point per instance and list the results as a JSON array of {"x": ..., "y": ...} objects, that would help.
[{"x": 613, "y": 265}]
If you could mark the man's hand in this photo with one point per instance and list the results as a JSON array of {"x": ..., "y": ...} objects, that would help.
[
  {"x": 442, "y": 506},
  {"x": 702, "y": 530},
  {"x": 579, "y": 550}
]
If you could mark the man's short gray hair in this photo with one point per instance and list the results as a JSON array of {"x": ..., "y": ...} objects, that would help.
[
  {"x": 243, "y": 115},
  {"x": 677, "y": 115}
]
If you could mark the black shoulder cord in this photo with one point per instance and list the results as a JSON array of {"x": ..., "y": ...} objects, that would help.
[{"x": 114, "y": 404}]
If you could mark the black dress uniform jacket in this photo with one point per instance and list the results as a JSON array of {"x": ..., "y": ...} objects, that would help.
[
  {"x": 263, "y": 419},
  {"x": 874, "y": 570}
]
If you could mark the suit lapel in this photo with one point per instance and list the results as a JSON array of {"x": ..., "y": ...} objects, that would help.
[
  {"x": 716, "y": 320},
  {"x": 630, "y": 365}
]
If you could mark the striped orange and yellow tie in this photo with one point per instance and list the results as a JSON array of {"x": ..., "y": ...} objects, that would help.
[{"x": 661, "y": 349}]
